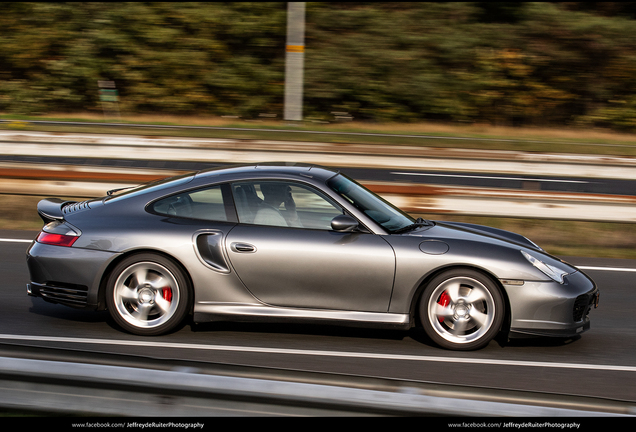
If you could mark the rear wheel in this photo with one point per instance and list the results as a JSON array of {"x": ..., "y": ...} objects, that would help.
[
  {"x": 147, "y": 294},
  {"x": 461, "y": 309}
]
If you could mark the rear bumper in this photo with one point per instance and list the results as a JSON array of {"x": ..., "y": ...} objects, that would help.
[
  {"x": 66, "y": 275},
  {"x": 67, "y": 294}
]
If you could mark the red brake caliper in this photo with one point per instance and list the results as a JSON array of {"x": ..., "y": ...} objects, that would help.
[
  {"x": 444, "y": 300},
  {"x": 166, "y": 293}
]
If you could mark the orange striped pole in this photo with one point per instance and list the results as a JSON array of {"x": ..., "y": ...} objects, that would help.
[{"x": 294, "y": 61}]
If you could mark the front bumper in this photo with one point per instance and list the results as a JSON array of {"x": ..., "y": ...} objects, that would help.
[{"x": 552, "y": 309}]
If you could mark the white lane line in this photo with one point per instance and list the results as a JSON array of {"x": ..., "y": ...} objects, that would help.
[
  {"x": 490, "y": 177},
  {"x": 15, "y": 240},
  {"x": 154, "y": 344},
  {"x": 617, "y": 269}
]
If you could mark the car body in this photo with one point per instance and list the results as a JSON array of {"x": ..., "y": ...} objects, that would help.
[{"x": 297, "y": 243}]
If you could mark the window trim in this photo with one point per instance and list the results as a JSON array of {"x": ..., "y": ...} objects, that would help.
[
  {"x": 229, "y": 207},
  {"x": 305, "y": 185}
]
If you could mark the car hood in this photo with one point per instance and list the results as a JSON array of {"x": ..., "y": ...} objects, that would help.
[
  {"x": 469, "y": 240},
  {"x": 492, "y": 232}
]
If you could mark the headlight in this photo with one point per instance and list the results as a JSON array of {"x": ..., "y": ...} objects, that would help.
[{"x": 554, "y": 273}]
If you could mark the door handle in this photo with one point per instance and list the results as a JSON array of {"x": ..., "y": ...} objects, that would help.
[{"x": 242, "y": 247}]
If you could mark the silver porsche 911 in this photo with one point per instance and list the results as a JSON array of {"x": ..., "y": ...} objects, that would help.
[{"x": 297, "y": 243}]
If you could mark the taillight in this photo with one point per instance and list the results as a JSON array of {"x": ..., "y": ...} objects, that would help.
[
  {"x": 59, "y": 233},
  {"x": 56, "y": 239}
]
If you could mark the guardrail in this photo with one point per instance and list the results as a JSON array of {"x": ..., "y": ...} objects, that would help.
[
  {"x": 83, "y": 182},
  {"x": 86, "y": 181},
  {"x": 82, "y": 388}
]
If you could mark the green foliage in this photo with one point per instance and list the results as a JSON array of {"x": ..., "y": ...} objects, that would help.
[
  {"x": 178, "y": 58},
  {"x": 491, "y": 62},
  {"x": 500, "y": 12}
]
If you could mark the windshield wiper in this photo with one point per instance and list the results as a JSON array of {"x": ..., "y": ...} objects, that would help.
[{"x": 418, "y": 223}]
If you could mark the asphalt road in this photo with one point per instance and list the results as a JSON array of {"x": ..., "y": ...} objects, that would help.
[{"x": 601, "y": 363}]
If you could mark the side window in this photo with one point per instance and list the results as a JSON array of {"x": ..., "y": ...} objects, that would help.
[
  {"x": 280, "y": 203},
  {"x": 206, "y": 204}
]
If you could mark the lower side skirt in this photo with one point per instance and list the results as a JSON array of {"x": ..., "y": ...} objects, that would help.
[{"x": 210, "y": 312}]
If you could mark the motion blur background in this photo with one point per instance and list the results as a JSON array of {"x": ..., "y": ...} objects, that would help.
[
  {"x": 517, "y": 106},
  {"x": 544, "y": 72},
  {"x": 542, "y": 64}
]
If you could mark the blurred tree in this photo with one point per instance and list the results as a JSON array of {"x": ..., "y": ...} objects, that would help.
[
  {"x": 181, "y": 58},
  {"x": 608, "y": 9},
  {"x": 45, "y": 58},
  {"x": 196, "y": 58},
  {"x": 560, "y": 63},
  {"x": 589, "y": 56},
  {"x": 500, "y": 12}
]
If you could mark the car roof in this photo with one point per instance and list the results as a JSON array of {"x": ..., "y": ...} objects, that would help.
[
  {"x": 269, "y": 168},
  {"x": 227, "y": 173}
]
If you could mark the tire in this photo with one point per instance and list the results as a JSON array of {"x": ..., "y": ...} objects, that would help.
[
  {"x": 461, "y": 309},
  {"x": 147, "y": 294}
]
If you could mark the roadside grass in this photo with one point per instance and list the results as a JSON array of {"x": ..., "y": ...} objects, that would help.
[
  {"x": 19, "y": 212},
  {"x": 470, "y": 136},
  {"x": 558, "y": 237}
]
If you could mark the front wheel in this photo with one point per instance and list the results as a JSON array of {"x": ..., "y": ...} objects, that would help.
[
  {"x": 461, "y": 309},
  {"x": 147, "y": 294}
]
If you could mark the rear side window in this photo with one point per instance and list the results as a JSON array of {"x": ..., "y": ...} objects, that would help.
[{"x": 205, "y": 204}]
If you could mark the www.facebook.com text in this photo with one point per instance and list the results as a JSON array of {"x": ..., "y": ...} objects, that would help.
[{"x": 517, "y": 425}]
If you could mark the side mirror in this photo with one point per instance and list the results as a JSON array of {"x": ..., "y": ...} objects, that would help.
[{"x": 343, "y": 223}]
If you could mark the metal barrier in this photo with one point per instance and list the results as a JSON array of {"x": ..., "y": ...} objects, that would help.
[
  {"x": 115, "y": 390},
  {"x": 87, "y": 181}
]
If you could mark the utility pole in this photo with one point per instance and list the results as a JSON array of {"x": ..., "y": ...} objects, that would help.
[{"x": 294, "y": 61}]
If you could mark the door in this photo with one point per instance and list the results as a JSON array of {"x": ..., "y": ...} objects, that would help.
[{"x": 286, "y": 253}]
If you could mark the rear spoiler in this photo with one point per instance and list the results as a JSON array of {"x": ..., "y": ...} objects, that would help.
[{"x": 50, "y": 209}]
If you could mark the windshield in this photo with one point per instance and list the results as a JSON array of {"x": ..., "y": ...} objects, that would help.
[{"x": 382, "y": 212}]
